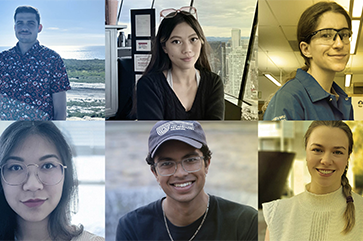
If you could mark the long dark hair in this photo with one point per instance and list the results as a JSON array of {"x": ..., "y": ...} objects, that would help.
[
  {"x": 59, "y": 226},
  {"x": 349, "y": 214},
  {"x": 160, "y": 60}
]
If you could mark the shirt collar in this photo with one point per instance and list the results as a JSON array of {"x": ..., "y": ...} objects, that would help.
[
  {"x": 314, "y": 89},
  {"x": 35, "y": 47}
]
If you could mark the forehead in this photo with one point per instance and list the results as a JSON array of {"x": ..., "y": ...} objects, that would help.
[
  {"x": 332, "y": 20},
  {"x": 182, "y": 29},
  {"x": 26, "y": 17},
  {"x": 325, "y": 135},
  {"x": 175, "y": 149}
]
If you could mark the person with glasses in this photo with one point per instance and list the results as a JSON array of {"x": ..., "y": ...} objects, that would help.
[
  {"x": 324, "y": 32},
  {"x": 328, "y": 209},
  {"x": 38, "y": 184},
  {"x": 179, "y": 158},
  {"x": 178, "y": 83}
]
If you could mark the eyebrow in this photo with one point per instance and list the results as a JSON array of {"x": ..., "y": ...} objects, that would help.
[
  {"x": 194, "y": 153},
  {"x": 335, "y": 147},
  {"x": 181, "y": 37},
  {"x": 16, "y": 158}
]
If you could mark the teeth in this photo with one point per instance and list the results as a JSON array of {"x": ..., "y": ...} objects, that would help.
[
  {"x": 325, "y": 171},
  {"x": 183, "y": 184}
]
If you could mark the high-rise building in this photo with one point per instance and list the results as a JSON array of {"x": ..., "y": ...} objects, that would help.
[{"x": 236, "y": 38}]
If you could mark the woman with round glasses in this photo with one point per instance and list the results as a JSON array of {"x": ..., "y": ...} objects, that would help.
[
  {"x": 178, "y": 82},
  {"x": 323, "y": 33},
  {"x": 328, "y": 209},
  {"x": 38, "y": 184}
]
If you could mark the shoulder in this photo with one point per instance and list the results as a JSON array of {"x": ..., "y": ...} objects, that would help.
[
  {"x": 209, "y": 76},
  {"x": 153, "y": 78},
  {"x": 49, "y": 52},
  {"x": 87, "y": 236},
  {"x": 144, "y": 212},
  {"x": 229, "y": 207},
  {"x": 7, "y": 53}
]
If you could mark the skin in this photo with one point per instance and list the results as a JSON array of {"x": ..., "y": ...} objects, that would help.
[
  {"x": 327, "y": 149},
  {"x": 33, "y": 221},
  {"x": 183, "y": 48},
  {"x": 26, "y": 30},
  {"x": 182, "y": 206},
  {"x": 326, "y": 60}
]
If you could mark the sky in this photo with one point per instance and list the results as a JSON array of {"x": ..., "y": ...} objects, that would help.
[
  {"x": 216, "y": 17},
  {"x": 65, "y": 22}
]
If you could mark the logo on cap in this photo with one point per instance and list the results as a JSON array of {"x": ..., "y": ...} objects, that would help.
[{"x": 174, "y": 126}]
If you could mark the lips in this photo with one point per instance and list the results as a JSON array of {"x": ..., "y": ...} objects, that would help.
[
  {"x": 325, "y": 172},
  {"x": 187, "y": 59},
  {"x": 31, "y": 203}
]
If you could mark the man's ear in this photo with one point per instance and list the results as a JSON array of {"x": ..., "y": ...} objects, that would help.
[
  {"x": 207, "y": 163},
  {"x": 40, "y": 27},
  {"x": 154, "y": 172},
  {"x": 305, "y": 49}
]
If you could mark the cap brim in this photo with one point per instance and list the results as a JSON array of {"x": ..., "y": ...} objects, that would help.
[{"x": 191, "y": 142}]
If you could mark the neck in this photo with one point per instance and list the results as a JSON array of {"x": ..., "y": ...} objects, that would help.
[
  {"x": 183, "y": 76},
  {"x": 24, "y": 47},
  {"x": 184, "y": 213},
  {"x": 324, "y": 78},
  {"x": 32, "y": 230},
  {"x": 318, "y": 189}
]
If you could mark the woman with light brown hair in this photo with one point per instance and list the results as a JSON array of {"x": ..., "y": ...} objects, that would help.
[
  {"x": 328, "y": 209},
  {"x": 323, "y": 34}
]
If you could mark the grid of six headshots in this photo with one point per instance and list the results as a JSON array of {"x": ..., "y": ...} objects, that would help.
[{"x": 181, "y": 120}]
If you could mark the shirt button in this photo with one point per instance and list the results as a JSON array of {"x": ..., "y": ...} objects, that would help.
[{"x": 330, "y": 99}]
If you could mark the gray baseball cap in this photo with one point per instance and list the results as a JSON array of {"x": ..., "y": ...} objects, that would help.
[{"x": 189, "y": 132}]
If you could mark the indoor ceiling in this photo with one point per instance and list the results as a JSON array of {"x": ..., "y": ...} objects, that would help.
[{"x": 278, "y": 53}]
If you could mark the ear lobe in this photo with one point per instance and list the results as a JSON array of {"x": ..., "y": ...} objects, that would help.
[
  {"x": 305, "y": 49},
  {"x": 40, "y": 27},
  {"x": 207, "y": 166},
  {"x": 165, "y": 51}
]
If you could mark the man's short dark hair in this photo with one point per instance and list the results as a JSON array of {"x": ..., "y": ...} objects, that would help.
[
  {"x": 27, "y": 9},
  {"x": 207, "y": 154}
]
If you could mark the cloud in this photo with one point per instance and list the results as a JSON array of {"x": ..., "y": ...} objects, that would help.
[{"x": 52, "y": 28}]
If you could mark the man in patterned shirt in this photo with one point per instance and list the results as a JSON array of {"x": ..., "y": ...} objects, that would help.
[{"x": 33, "y": 78}]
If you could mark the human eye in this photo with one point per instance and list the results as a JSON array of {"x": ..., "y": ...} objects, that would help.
[
  {"x": 48, "y": 166},
  {"x": 176, "y": 41},
  {"x": 14, "y": 167},
  {"x": 317, "y": 150},
  {"x": 337, "y": 152},
  {"x": 194, "y": 39},
  {"x": 165, "y": 164},
  {"x": 191, "y": 160}
]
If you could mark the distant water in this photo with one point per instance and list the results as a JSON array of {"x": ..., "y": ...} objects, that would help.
[{"x": 75, "y": 52}]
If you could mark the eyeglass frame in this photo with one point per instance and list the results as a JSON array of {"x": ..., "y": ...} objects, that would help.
[
  {"x": 27, "y": 173},
  {"x": 176, "y": 11},
  {"x": 201, "y": 158},
  {"x": 308, "y": 38}
]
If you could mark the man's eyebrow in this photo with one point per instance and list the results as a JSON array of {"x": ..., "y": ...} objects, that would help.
[{"x": 166, "y": 158}]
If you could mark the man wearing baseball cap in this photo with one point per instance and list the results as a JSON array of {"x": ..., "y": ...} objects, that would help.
[{"x": 179, "y": 158}]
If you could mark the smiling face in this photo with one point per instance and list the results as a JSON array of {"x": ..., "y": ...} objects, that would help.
[
  {"x": 27, "y": 28},
  {"x": 183, "y": 47},
  {"x": 328, "y": 58},
  {"x": 33, "y": 201},
  {"x": 181, "y": 186},
  {"x": 327, "y": 157}
]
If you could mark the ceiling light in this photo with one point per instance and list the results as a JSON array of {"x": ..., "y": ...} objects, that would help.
[
  {"x": 353, "y": 42},
  {"x": 348, "y": 79},
  {"x": 357, "y": 8},
  {"x": 273, "y": 79}
]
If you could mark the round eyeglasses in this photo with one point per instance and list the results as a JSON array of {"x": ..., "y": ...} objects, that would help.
[
  {"x": 171, "y": 12},
  {"x": 327, "y": 36},
  {"x": 168, "y": 168},
  {"x": 16, "y": 173}
]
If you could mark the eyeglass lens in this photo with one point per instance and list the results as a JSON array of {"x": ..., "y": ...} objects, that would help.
[
  {"x": 171, "y": 12},
  {"x": 328, "y": 36},
  {"x": 168, "y": 168},
  {"x": 15, "y": 173}
]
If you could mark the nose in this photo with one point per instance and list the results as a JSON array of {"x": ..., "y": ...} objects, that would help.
[
  {"x": 187, "y": 47},
  {"x": 326, "y": 160},
  {"x": 338, "y": 41},
  {"x": 32, "y": 183},
  {"x": 180, "y": 171}
]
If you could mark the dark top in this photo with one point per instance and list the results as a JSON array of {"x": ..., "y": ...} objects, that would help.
[
  {"x": 302, "y": 98},
  {"x": 157, "y": 101},
  {"x": 225, "y": 220},
  {"x": 28, "y": 81}
]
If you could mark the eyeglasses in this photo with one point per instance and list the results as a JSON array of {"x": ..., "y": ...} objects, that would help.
[
  {"x": 171, "y": 12},
  {"x": 17, "y": 173},
  {"x": 168, "y": 168},
  {"x": 327, "y": 36}
]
